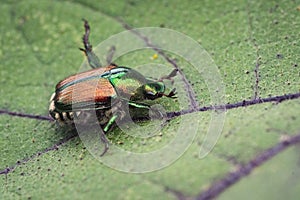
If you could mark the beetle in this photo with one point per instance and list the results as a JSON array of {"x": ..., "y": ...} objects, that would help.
[{"x": 103, "y": 89}]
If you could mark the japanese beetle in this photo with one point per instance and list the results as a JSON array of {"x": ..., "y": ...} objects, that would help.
[{"x": 103, "y": 89}]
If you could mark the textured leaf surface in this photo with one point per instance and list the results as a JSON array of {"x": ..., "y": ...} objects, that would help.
[{"x": 256, "y": 48}]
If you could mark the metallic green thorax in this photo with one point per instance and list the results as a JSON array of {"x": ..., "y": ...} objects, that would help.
[{"x": 133, "y": 86}]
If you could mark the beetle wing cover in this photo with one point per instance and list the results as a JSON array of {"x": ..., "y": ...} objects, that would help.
[
  {"x": 85, "y": 90},
  {"x": 98, "y": 72}
]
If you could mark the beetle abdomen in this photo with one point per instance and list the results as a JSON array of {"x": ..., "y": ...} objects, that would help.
[{"x": 83, "y": 116}]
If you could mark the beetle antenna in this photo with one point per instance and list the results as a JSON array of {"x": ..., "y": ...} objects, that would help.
[{"x": 88, "y": 49}]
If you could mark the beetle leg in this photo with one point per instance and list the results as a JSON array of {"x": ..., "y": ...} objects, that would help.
[
  {"x": 171, "y": 94},
  {"x": 88, "y": 50},
  {"x": 105, "y": 130},
  {"x": 105, "y": 141},
  {"x": 170, "y": 76},
  {"x": 110, "y": 55},
  {"x": 138, "y": 105},
  {"x": 110, "y": 123},
  {"x": 154, "y": 113}
]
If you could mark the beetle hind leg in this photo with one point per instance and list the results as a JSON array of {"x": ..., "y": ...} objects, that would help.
[
  {"x": 106, "y": 143},
  {"x": 110, "y": 55},
  {"x": 88, "y": 50},
  {"x": 105, "y": 130}
]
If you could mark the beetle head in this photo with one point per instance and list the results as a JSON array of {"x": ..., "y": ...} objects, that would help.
[{"x": 154, "y": 90}]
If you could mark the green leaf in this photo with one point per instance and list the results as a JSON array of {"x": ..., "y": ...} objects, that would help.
[{"x": 256, "y": 48}]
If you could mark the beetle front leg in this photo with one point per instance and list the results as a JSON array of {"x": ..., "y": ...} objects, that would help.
[
  {"x": 154, "y": 112},
  {"x": 138, "y": 105}
]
